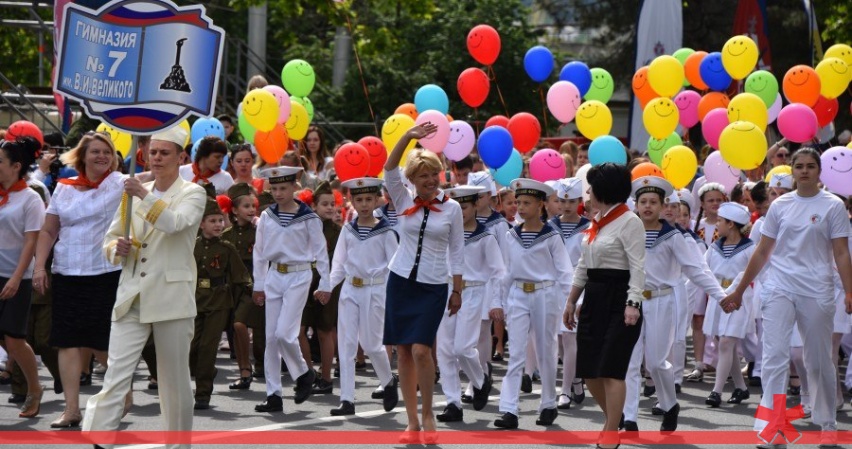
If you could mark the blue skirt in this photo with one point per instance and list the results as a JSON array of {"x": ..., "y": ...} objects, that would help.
[{"x": 413, "y": 311}]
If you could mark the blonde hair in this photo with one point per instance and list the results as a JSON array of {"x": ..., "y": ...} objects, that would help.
[
  {"x": 76, "y": 157},
  {"x": 420, "y": 160},
  {"x": 256, "y": 82}
]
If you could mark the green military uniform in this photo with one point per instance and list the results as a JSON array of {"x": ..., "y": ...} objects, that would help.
[
  {"x": 221, "y": 278},
  {"x": 246, "y": 311},
  {"x": 316, "y": 315}
]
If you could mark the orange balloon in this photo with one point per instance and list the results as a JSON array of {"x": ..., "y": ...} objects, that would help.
[
  {"x": 408, "y": 109},
  {"x": 646, "y": 169},
  {"x": 272, "y": 144},
  {"x": 642, "y": 87},
  {"x": 801, "y": 85},
  {"x": 710, "y": 101},
  {"x": 690, "y": 68},
  {"x": 449, "y": 118}
]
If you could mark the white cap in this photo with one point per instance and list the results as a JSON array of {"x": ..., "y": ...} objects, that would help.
[
  {"x": 277, "y": 175},
  {"x": 175, "y": 135},
  {"x": 630, "y": 203},
  {"x": 748, "y": 185},
  {"x": 465, "y": 194},
  {"x": 781, "y": 180},
  {"x": 524, "y": 186},
  {"x": 652, "y": 184},
  {"x": 552, "y": 184},
  {"x": 712, "y": 186},
  {"x": 482, "y": 179},
  {"x": 363, "y": 185},
  {"x": 735, "y": 212},
  {"x": 681, "y": 196},
  {"x": 569, "y": 188}
]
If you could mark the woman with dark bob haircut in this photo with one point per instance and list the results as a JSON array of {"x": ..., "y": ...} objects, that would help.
[
  {"x": 206, "y": 167},
  {"x": 611, "y": 271}
]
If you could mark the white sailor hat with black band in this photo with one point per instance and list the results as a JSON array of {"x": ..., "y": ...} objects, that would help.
[
  {"x": 652, "y": 184},
  {"x": 277, "y": 175},
  {"x": 465, "y": 194},
  {"x": 569, "y": 189},
  {"x": 781, "y": 180},
  {"x": 482, "y": 179},
  {"x": 524, "y": 186},
  {"x": 552, "y": 184},
  {"x": 735, "y": 212},
  {"x": 358, "y": 186}
]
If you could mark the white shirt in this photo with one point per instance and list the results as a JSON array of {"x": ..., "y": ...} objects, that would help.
[
  {"x": 222, "y": 180},
  {"x": 670, "y": 255},
  {"x": 620, "y": 245},
  {"x": 84, "y": 218},
  {"x": 24, "y": 212},
  {"x": 803, "y": 228},
  {"x": 365, "y": 259},
  {"x": 546, "y": 259},
  {"x": 444, "y": 231},
  {"x": 739, "y": 322},
  {"x": 574, "y": 241},
  {"x": 483, "y": 262}
]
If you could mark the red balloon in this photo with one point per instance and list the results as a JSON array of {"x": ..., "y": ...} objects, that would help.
[
  {"x": 378, "y": 154},
  {"x": 498, "y": 120},
  {"x": 272, "y": 144},
  {"x": 351, "y": 161},
  {"x": 483, "y": 43},
  {"x": 525, "y": 131},
  {"x": 24, "y": 128},
  {"x": 473, "y": 86},
  {"x": 826, "y": 110}
]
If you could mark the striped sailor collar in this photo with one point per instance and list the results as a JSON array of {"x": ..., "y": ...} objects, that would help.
[
  {"x": 303, "y": 213},
  {"x": 494, "y": 218},
  {"x": 744, "y": 243},
  {"x": 545, "y": 232},
  {"x": 666, "y": 232},
  {"x": 382, "y": 226},
  {"x": 581, "y": 225},
  {"x": 477, "y": 233}
]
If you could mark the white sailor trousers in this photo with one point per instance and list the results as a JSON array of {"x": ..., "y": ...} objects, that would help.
[
  {"x": 457, "y": 340},
  {"x": 286, "y": 294}
]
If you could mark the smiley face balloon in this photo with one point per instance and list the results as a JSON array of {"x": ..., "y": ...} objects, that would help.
[
  {"x": 393, "y": 129},
  {"x": 679, "y": 165},
  {"x": 260, "y": 109},
  {"x": 739, "y": 56},
  {"x": 657, "y": 147},
  {"x": 660, "y": 117},
  {"x": 298, "y": 78},
  {"x": 801, "y": 85},
  {"x": 834, "y": 77},
  {"x": 593, "y": 119},
  {"x": 461, "y": 140},
  {"x": 763, "y": 84},
  {"x": 750, "y": 108},
  {"x": 837, "y": 170},
  {"x": 297, "y": 124},
  {"x": 602, "y": 86},
  {"x": 351, "y": 161},
  {"x": 378, "y": 154},
  {"x": 841, "y": 51},
  {"x": 743, "y": 145}
]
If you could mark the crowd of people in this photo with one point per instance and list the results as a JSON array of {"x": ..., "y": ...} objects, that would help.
[{"x": 434, "y": 266}]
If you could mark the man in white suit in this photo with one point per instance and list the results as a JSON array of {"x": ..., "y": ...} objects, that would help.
[{"x": 156, "y": 292}]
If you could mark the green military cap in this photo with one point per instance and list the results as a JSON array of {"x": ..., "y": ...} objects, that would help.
[
  {"x": 238, "y": 190},
  {"x": 324, "y": 188},
  {"x": 212, "y": 208},
  {"x": 210, "y": 189},
  {"x": 265, "y": 199}
]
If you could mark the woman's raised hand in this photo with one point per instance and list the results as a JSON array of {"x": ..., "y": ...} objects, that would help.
[{"x": 421, "y": 131}]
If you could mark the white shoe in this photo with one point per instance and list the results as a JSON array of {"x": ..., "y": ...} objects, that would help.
[
  {"x": 99, "y": 369},
  {"x": 807, "y": 410}
]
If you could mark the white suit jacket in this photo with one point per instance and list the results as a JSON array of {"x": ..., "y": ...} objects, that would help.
[{"x": 161, "y": 265}]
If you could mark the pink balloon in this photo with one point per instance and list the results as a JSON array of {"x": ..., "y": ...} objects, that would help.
[
  {"x": 798, "y": 123},
  {"x": 717, "y": 170},
  {"x": 437, "y": 141},
  {"x": 563, "y": 100},
  {"x": 836, "y": 171},
  {"x": 775, "y": 108},
  {"x": 283, "y": 99},
  {"x": 687, "y": 105},
  {"x": 547, "y": 165},
  {"x": 714, "y": 123},
  {"x": 460, "y": 142}
]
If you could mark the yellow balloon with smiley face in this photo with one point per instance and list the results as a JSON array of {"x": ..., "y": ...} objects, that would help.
[
  {"x": 679, "y": 166},
  {"x": 842, "y": 51},
  {"x": 834, "y": 76},
  {"x": 594, "y": 119},
  {"x": 297, "y": 124},
  {"x": 750, "y": 108},
  {"x": 739, "y": 56},
  {"x": 260, "y": 108},
  {"x": 120, "y": 140},
  {"x": 660, "y": 117},
  {"x": 743, "y": 145},
  {"x": 394, "y": 128}
]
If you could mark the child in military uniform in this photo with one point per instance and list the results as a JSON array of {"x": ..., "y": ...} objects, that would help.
[{"x": 221, "y": 277}]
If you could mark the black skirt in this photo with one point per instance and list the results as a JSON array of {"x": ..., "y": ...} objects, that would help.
[
  {"x": 15, "y": 310},
  {"x": 604, "y": 342},
  {"x": 413, "y": 311},
  {"x": 82, "y": 310}
]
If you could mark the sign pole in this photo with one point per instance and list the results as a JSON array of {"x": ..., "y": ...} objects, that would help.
[{"x": 134, "y": 143}]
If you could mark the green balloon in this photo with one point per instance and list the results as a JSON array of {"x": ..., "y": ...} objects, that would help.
[
  {"x": 307, "y": 103},
  {"x": 681, "y": 55},
  {"x": 298, "y": 78},
  {"x": 246, "y": 129},
  {"x": 658, "y": 147},
  {"x": 602, "y": 86},
  {"x": 764, "y": 85}
]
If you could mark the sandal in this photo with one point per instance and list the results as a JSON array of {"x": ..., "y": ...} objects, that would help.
[
  {"x": 243, "y": 383},
  {"x": 32, "y": 404}
]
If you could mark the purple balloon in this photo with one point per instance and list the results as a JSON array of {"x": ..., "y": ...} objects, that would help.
[
  {"x": 717, "y": 170},
  {"x": 837, "y": 170},
  {"x": 579, "y": 74},
  {"x": 461, "y": 140},
  {"x": 775, "y": 109}
]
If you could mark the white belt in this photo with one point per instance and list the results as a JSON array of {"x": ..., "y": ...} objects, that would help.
[
  {"x": 362, "y": 282},
  {"x": 467, "y": 284},
  {"x": 284, "y": 268},
  {"x": 529, "y": 287},
  {"x": 648, "y": 294}
]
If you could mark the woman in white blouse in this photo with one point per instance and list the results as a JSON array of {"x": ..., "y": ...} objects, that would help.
[
  {"x": 84, "y": 282},
  {"x": 431, "y": 234},
  {"x": 611, "y": 271}
]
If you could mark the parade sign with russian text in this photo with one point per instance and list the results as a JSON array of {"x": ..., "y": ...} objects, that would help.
[{"x": 140, "y": 65}]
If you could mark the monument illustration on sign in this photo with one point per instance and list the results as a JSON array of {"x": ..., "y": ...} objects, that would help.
[{"x": 176, "y": 79}]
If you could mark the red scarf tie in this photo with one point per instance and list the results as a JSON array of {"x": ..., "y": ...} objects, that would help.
[
  {"x": 596, "y": 226},
  {"x": 420, "y": 203},
  {"x": 198, "y": 175},
  {"x": 83, "y": 181},
  {"x": 16, "y": 187},
  {"x": 140, "y": 162}
]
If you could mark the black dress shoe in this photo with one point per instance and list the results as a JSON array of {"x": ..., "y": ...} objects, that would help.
[
  {"x": 152, "y": 384},
  {"x": 17, "y": 398},
  {"x": 497, "y": 357},
  {"x": 714, "y": 400},
  {"x": 345, "y": 408},
  {"x": 507, "y": 421},
  {"x": 547, "y": 416},
  {"x": 305, "y": 386},
  {"x": 631, "y": 426},
  {"x": 738, "y": 396},
  {"x": 670, "y": 419},
  {"x": 391, "y": 396},
  {"x": 677, "y": 388},
  {"x": 649, "y": 391},
  {"x": 377, "y": 394},
  {"x": 451, "y": 413},
  {"x": 526, "y": 383},
  {"x": 272, "y": 403},
  {"x": 322, "y": 386},
  {"x": 85, "y": 379},
  {"x": 466, "y": 399},
  {"x": 480, "y": 395},
  {"x": 243, "y": 383},
  {"x": 201, "y": 405},
  {"x": 258, "y": 374},
  {"x": 657, "y": 411},
  {"x": 360, "y": 366}
]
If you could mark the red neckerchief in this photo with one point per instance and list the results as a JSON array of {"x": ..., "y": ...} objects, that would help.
[
  {"x": 420, "y": 203},
  {"x": 596, "y": 226},
  {"x": 140, "y": 162},
  {"x": 258, "y": 185},
  {"x": 16, "y": 187},
  {"x": 196, "y": 171},
  {"x": 83, "y": 181}
]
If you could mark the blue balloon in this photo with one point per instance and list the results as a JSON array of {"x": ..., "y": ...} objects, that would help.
[
  {"x": 194, "y": 149},
  {"x": 431, "y": 96},
  {"x": 495, "y": 146},
  {"x": 607, "y": 149},
  {"x": 713, "y": 72},
  {"x": 538, "y": 62},
  {"x": 510, "y": 171},
  {"x": 578, "y": 73},
  {"x": 225, "y": 163},
  {"x": 207, "y": 126}
]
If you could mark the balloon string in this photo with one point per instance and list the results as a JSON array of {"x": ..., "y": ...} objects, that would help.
[
  {"x": 360, "y": 69},
  {"x": 543, "y": 108},
  {"x": 493, "y": 78},
  {"x": 476, "y": 119}
]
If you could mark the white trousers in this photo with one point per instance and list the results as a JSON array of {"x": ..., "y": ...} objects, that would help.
[
  {"x": 127, "y": 339},
  {"x": 683, "y": 321},
  {"x": 815, "y": 319},
  {"x": 361, "y": 318},
  {"x": 654, "y": 344},
  {"x": 457, "y": 340},
  {"x": 538, "y": 312},
  {"x": 286, "y": 295}
]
